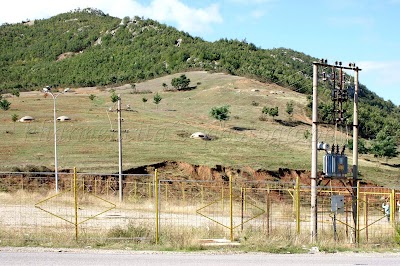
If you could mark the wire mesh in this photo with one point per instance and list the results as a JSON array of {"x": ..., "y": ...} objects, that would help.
[{"x": 90, "y": 208}]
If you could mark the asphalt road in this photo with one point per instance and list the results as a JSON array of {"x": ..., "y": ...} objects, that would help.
[{"x": 98, "y": 257}]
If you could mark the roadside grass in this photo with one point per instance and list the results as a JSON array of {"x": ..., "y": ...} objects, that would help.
[{"x": 139, "y": 237}]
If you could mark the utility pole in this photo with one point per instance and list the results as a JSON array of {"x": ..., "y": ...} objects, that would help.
[
  {"x": 355, "y": 155},
  {"x": 119, "y": 148},
  {"x": 314, "y": 155},
  {"x": 337, "y": 95}
]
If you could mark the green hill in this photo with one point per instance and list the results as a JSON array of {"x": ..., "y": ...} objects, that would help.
[{"x": 87, "y": 48}]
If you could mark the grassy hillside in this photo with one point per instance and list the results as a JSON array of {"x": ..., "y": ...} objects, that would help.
[{"x": 160, "y": 133}]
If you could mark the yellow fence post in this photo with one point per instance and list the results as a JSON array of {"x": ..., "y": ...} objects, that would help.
[
  {"x": 231, "y": 206},
  {"x": 76, "y": 205},
  {"x": 156, "y": 203},
  {"x": 298, "y": 204},
  {"x": 392, "y": 206},
  {"x": 358, "y": 214},
  {"x": 366, "y": 216}
]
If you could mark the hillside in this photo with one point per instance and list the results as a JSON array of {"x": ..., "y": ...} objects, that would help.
[
  {"x": 92, "y": 52},
  {"x": 89, "y": 48},
  {"x": 158, "y": 133}
]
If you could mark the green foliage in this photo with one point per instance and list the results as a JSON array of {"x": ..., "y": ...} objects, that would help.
[
  {"x": 114, "y": 97},
  {"x": 384, "y": 146},
  {"x": 92, "y": 97},
  {"x": 14, "y": 117},
  {"x": 77, "y": 48},
  {"x": 180, "y": 83},
  {"x": 15, "y": 92},
  {"x": 220, "y": 113},
  {"x": 289, "y": 108},
  {"x": 144, "y": 99},
  {"x": 157, "y": 98},
  {"x": 362, "y": 148},
  {"x": 273, "y": 111},
  {"x": 4, "y": 104},
  {"x": 307, "y": 134}
]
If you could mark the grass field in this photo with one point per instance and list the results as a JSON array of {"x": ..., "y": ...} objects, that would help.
[{"x": 159, "y": 133}]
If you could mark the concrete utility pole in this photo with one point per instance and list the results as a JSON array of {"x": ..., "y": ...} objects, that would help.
[
  {"x": 119, "y": 148},
  {"x": 314, "y": 144},
  {"x": 355, "y": 154},
  {"x": 314, "y": 155}
]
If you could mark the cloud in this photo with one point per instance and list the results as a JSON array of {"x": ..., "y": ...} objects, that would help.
[
  {"x": 250, "y": 2},
  {"x": 384, "y": 72},
  {"x": 187, "y": 18},
  {"x": 351, "y": 21},
  {"x": 194, "y": 20},
  {"x": 257, "y": 13}
]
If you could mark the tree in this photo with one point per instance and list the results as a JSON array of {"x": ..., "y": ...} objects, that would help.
[
  {"x": 144, "y": 100},
  {"x": 157, "y": 99},
  {"x": 362, "y": 148},
  {"x": 274, "y": 112},
  {"x": 180, "y": 83},
  {"x": 265, "y": 110},
  {"x": 384, "y": 146},
  {"x": 220, "y": 113},
  {"x": 14, "y": 118},
  {"x": 4, "y": 104},
  {"x": 289, "y": 109},
  {"x": 114, "y": 97},
  {"x": 15, "y": 92}
]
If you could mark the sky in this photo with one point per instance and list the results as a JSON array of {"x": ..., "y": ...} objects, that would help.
[{"x": 360, "y": 31}]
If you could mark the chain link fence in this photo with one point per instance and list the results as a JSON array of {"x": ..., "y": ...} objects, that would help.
[{"x": 88, "y": 208}]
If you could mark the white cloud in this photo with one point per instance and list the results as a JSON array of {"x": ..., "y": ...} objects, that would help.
[
  {"x": 257, "y": 13},
  {"x": 186, "y": 18},
  {"x": 194, "y": 20},
  {"x": 382, "y": 77},
  {"x": 386, "y": 73},
  {"x": 250, "y": 2}
]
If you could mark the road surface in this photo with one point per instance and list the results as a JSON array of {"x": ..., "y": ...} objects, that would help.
[{"x": 32, "y": 256}]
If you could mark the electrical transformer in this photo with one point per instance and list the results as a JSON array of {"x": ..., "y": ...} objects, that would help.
[{"x": 335, "y": 165}]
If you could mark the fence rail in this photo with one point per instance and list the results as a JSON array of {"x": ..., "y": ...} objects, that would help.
[{"x": 88, "y": 207}]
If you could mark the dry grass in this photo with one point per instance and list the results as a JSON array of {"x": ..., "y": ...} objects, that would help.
[{"x": 155, "y": 134}]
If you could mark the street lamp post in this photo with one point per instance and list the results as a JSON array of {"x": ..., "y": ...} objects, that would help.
[{"x": 47, "y": 90}]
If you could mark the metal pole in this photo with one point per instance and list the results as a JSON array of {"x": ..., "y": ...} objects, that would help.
[
  {"x": 55, "y": 142},
  {"x": 156, "y": 192},
  {"x": 76, "y": 205},
  {"x": 297, "y": 199},
  {"x": 47, "y": 91},
  {"x": 231, "y": 206},
  {"x": 119, "y": 148},
  {"x": 313, "y": 228},
  {"x": 355, "y": 152}
]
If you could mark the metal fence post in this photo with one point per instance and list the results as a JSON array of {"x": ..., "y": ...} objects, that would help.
[
  {"x": 156, "y": 204},
  {"x": 231, "y": 206},
  {"x": 76, "y": 205},
  {"x": 298, "y": 204}
]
